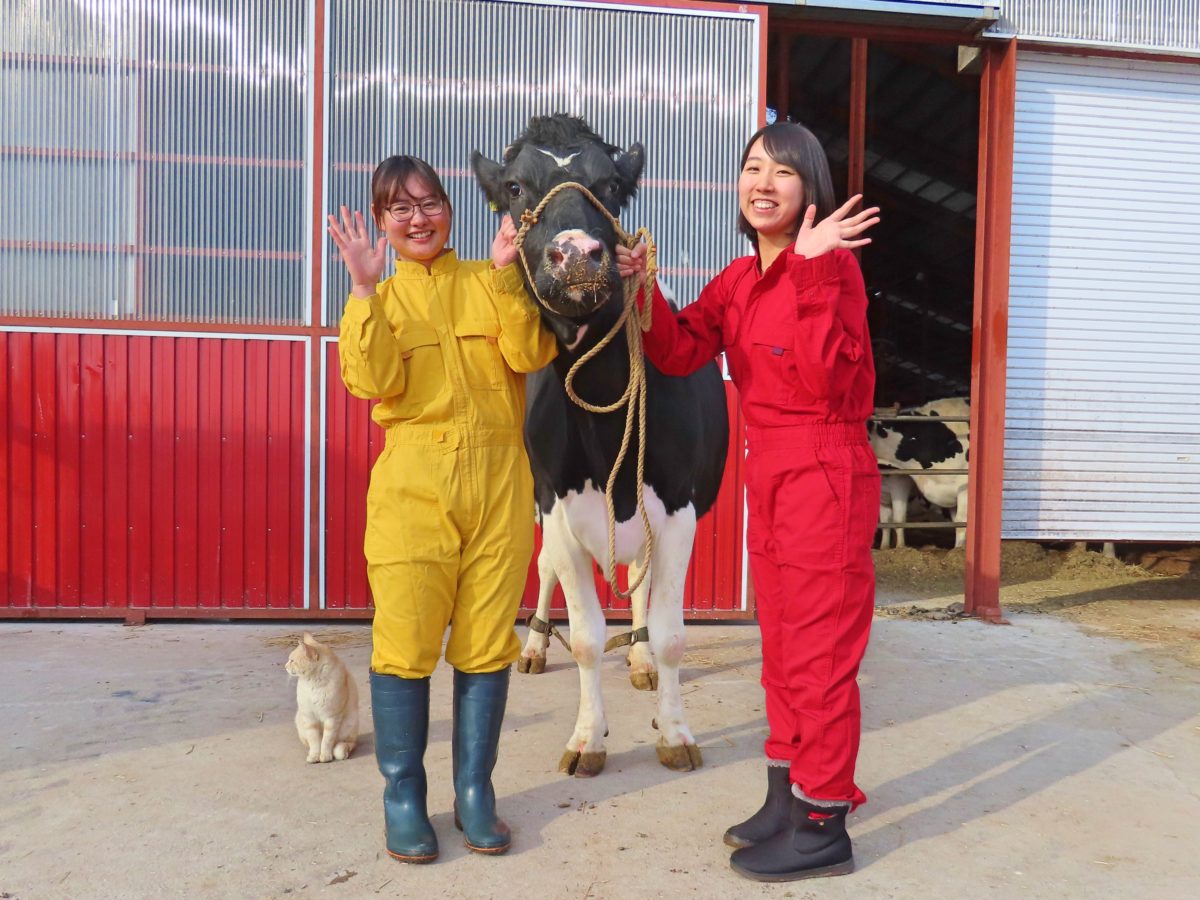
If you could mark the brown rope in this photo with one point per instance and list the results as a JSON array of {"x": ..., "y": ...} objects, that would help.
[{"x": 634, "y": 398}]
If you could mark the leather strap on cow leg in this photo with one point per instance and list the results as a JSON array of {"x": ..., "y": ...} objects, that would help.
[
  {"x": 637, "y": 636},
  {"x": 541, "y": 626}
]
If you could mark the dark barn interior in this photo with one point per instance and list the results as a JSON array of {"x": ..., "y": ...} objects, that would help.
[{"x": 918, "y": 158}]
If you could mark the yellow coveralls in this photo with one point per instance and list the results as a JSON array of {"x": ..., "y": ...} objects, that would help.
[{"x": 450, "y": 507}]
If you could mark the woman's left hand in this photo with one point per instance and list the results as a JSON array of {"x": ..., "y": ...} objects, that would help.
[
  {"x": 504, "y": 251},
  {"x": 631, "y": 261},
  {"x": 836, "y": 231}
]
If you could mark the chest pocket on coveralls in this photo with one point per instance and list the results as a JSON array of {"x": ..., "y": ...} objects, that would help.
[
  {"x": 424, "y": 371},
  {"x": 772, "y": 354},
  {"x": 478, "y": 345}
]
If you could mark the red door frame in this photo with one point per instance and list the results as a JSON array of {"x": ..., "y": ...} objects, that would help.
[{"x": 981, "y": 575}]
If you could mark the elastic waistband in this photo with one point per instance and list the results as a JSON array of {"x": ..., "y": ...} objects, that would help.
[
  {"x": 818, "y": 434},
  {"x": 450, "y": 437}
]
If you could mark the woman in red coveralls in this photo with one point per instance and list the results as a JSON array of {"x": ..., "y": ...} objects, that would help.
[{"x": 792, "y": 321}]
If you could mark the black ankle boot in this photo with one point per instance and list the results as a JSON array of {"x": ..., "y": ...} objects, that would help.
[
  {"x": 479, "y": 702},
  {"x": 814, "y": 845},
  {"x": 771, "y": 818},
  {"x": 400, "y": 708}
]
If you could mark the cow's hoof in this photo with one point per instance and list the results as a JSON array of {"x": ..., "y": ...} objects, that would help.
[
  {"x": 531, "y": 666},
  {"x": 644, "y": 681},
  {"x": 679, "y": 757},
  {"x": 582, "y": 765}
]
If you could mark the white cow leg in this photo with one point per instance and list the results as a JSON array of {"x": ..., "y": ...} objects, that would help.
[
  {"x": 585, "y": 754},
  {"x": 643, "y": 674},
  {"x": 533, "y": 657},
  {"x": 672, "y": 551},
  {"x": 960, "y": 515},
  {"x": 901, "y": 491}
]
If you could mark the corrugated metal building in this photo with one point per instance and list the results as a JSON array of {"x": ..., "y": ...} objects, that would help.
[{"x": 176, "y": 441}]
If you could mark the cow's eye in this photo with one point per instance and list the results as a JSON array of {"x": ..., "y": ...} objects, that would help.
[{"x": 514, "y": 189}]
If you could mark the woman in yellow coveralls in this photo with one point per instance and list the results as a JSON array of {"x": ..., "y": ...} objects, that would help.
[{"x": 443, "y": 345}]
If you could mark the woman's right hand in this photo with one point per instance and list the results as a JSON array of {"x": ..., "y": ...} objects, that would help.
[{"x": 364, "y": 260}]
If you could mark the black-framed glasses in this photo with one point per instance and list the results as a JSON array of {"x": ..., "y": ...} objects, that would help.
[{"x": 430, "y": 206}]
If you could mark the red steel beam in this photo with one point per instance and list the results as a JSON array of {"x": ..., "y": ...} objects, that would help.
[
  {"x": 989, "y": 337},
  {"x": 858, "y": 116},
  {"x": 315, "y": 344}
]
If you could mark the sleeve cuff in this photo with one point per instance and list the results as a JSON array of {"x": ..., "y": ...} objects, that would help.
[
  {"x": 806, "y": 273},
  {"x": 508, "y": 281},
  {"x": 360, "y": 309}
]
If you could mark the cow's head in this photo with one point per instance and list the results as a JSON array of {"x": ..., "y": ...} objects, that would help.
[{"x": 570, "y": 250}]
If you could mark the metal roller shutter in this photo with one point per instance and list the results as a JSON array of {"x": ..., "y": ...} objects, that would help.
[{"x": 1103, "y": 420}]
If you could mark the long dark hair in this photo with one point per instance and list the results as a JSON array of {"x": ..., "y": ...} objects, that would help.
[
  {"x": 392, "y": 175},
  {"x": 793, "y": 145}
]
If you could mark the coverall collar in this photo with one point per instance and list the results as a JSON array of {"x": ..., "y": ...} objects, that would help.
[{"x": 443, "y": 265}]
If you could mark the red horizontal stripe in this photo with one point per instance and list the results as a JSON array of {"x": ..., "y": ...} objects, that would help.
[
  {"x": 129, "y": 156},
  {"x": 206, "y": 252},
  {"x": 648, "y": 182}
]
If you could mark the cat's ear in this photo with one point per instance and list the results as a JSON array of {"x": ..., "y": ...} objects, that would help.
[
  {"x": 311, "y": 652},
  {"x": 310, "y": 640}
]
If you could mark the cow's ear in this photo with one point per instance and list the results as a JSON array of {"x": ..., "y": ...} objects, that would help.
[
  {"x": 491, "y": 178},
  {"x": 629, "y": 169}
]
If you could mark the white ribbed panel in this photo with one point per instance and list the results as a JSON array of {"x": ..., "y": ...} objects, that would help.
[
  {"x": 1103, "y": 424},
  {"x": 1171, "y": 25},
  {"x": 152, "y": 159},
  {"x": 439, "y": 79}
]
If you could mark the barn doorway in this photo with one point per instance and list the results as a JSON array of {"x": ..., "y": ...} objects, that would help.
[{"x": 899, "y": 120}]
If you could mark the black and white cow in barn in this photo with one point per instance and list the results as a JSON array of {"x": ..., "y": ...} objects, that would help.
[
  {"x": 921, "y": 448},
  {"x": 570, "y": 254}
]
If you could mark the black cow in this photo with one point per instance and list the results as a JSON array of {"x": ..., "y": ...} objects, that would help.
[{"x": 570, "y": 252}]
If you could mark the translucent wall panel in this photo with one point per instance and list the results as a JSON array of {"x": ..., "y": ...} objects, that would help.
[
  {"x": 438, "y": 79},
  {"x": 1171, "y": 25},
  {"x": 152, "y": 155}
]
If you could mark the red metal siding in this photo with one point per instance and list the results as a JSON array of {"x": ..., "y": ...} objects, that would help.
[
  {"x": 353, "y": 441},
  {"x": 352, "y": 444},
  {"x": 151, "y": 472}
]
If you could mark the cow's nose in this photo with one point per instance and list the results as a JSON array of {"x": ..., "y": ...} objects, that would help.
[{"x": 572, "y": 248}]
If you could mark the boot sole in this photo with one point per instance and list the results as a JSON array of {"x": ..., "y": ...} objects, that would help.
[
  {"x": 844, "y": 868},
  {"x": 418, "y": 860},
  {"x": 489, "y": 851}
]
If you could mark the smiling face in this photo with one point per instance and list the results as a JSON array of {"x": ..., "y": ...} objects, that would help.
[
  {"x": 770, "y": 195},
  {"x": 416, "y": 234}
]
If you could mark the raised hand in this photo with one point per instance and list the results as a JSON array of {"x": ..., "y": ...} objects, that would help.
[
  {"x": 504, "y": 251},
  {"x": 364, "y": 260},
  {"x": 631, "y": 263},
  {"x": 837, "y": 231}
]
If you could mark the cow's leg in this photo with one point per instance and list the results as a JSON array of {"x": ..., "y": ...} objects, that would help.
[
  {"x": 672, "y": 551},
  {"x": 885, "y": 514},
  {"x": 900, "y": 490},
  {"x": 585, "y": 754},
  {"x": 533, "y": 657},
  {"x": 643, "y": 674},
  {"x": 960, "y": 515}
]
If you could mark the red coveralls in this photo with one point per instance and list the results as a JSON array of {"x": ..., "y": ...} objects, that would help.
[{"x": 796, "y": 341}]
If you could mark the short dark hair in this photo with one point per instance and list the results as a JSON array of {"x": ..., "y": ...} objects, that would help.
[
  {"x": 392, "y": 175},
  {"x": 795, "y": 146}
]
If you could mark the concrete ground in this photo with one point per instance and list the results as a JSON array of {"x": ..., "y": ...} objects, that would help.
[{"x": 1029, "y": 761}]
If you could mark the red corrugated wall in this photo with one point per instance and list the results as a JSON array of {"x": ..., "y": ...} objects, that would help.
[
  {"x": 166, "y": 475},
  {"x": 152, "y": 472},
  {"x": 353, "y": 441}
]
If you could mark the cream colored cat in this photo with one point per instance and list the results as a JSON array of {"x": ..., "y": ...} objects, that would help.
[{"x": 326, "y": 701}]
